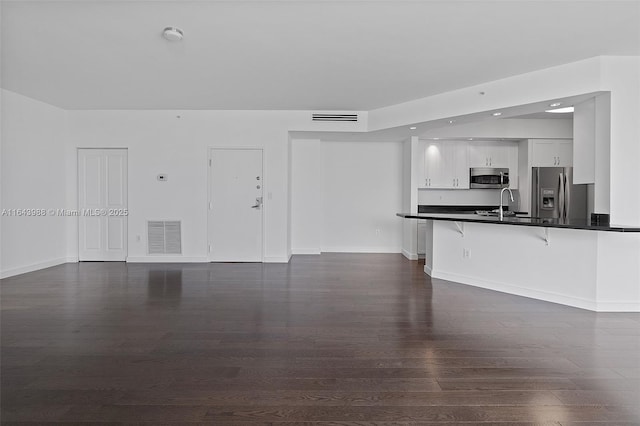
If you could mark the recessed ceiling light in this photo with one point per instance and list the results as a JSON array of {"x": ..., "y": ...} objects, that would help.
[
  {"x": 172, "y": 34},
  {"x": 451, "y": 121},
  {"x": 435, "y": 139},
  {"x": 470, "y": 139},
  {"x": 555, "y": 104},
  {"x": 412, "y": 128},
  {"x": 496, "y": 114},
  {"x": 561, "y": 110}
]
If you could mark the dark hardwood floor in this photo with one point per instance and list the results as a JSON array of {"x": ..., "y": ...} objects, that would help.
[{"x": 334, "y": 339}]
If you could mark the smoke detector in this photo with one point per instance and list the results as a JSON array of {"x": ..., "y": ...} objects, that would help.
[{"x": 172, "y": 34}]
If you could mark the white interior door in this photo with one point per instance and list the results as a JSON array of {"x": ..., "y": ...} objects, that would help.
[
  {"x": 235, "y": 205},
  {"x": 102, "y": 202}
]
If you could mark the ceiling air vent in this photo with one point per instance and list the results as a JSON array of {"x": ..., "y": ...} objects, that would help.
[
  {"x": 334, "y": 117},
  {"x": 165, "y": 236}
]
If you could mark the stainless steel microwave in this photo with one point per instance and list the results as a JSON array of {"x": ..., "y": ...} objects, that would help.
[{"x": 488, "y": 177}]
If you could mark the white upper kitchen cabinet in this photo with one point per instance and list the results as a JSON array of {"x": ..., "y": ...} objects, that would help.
[
  {"x": 446, "y": 165},
  {"x": 488, "y": 154},
  {"x": 496, "y": 154},
  {"x": 551, "y": 153}
]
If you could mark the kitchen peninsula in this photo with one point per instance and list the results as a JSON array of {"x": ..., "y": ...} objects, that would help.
[{"x": 548, "y": 259}]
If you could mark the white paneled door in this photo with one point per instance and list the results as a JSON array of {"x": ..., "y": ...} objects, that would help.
[
  {"x": 102, "y": 202},
  {"x": 235, "y": 205}
]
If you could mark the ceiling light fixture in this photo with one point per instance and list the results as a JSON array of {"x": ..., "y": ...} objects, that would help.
[
  {"x": 555, "y": 104},
  {"x": 497, "y": 114},
  {"x": 451, "y": 121},
  {"x": 172, "y": 34},
  {"x": 412, "y": 128},
  {"x": 561, "y": 110}
]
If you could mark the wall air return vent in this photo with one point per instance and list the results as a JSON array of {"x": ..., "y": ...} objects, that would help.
[
  {"x": 164, "y": 236},
  {"x": 334, "y": 117}
]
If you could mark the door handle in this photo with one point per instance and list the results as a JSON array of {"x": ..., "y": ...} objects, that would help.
[
  {"x": 560, "y": 203},
  {"x": 567, "y": 196},
  {"x": 258, "y": 203}
]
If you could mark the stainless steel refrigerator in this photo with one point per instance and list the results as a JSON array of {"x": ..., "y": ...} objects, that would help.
[{"x": 553, "y": 194}]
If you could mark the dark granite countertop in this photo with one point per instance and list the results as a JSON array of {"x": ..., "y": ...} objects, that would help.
[{"x": 521, "y": 221}]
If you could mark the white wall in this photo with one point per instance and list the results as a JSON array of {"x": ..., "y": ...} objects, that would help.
[
  {"x": 409, "y": 198},
  {"x": 33, "y": 177},
  {"x": 621, "y": 75},
  {"x": 159, "y": 142},
  {"x": 306, "y": 196},
  {"x": 362, "y": 192},
  {"x": 345, "y": 196}
]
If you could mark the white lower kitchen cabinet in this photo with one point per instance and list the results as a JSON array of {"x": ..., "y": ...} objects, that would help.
[{"x": 446, "y": 165}]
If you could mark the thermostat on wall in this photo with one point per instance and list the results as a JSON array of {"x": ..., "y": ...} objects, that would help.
[{"x": 162, "y": 177}]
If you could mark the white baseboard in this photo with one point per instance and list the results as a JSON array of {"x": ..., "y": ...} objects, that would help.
[
  {"x": 618, "y": 307},
  {"x": 563, "y": 299},
  {"x": 361, "y": 250},
  {"x": 428, "y": 270},
  {"x": 276, "y": 259},
  {"x": 409, "y": 255},
  {"x": 306, "y": 251},
  {"x": 167, "y": 259},
  {"x": 32, "y": 267}
]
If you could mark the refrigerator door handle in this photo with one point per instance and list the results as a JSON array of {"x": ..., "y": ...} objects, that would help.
[
  {"x": 536, "y": 199},
  {"x": 561, "y": 196},
  {"x": 567, "y": 196}
]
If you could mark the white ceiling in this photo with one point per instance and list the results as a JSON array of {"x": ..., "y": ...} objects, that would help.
[{"x": 312, "y": 55}]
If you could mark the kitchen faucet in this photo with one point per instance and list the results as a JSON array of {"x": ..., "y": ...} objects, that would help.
[{"x": 501, "y": 210}]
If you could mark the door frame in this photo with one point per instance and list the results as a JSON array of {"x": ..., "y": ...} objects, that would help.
[
  {"x": 210, "y": 151},
  {"x": 78, "y": 208}
]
